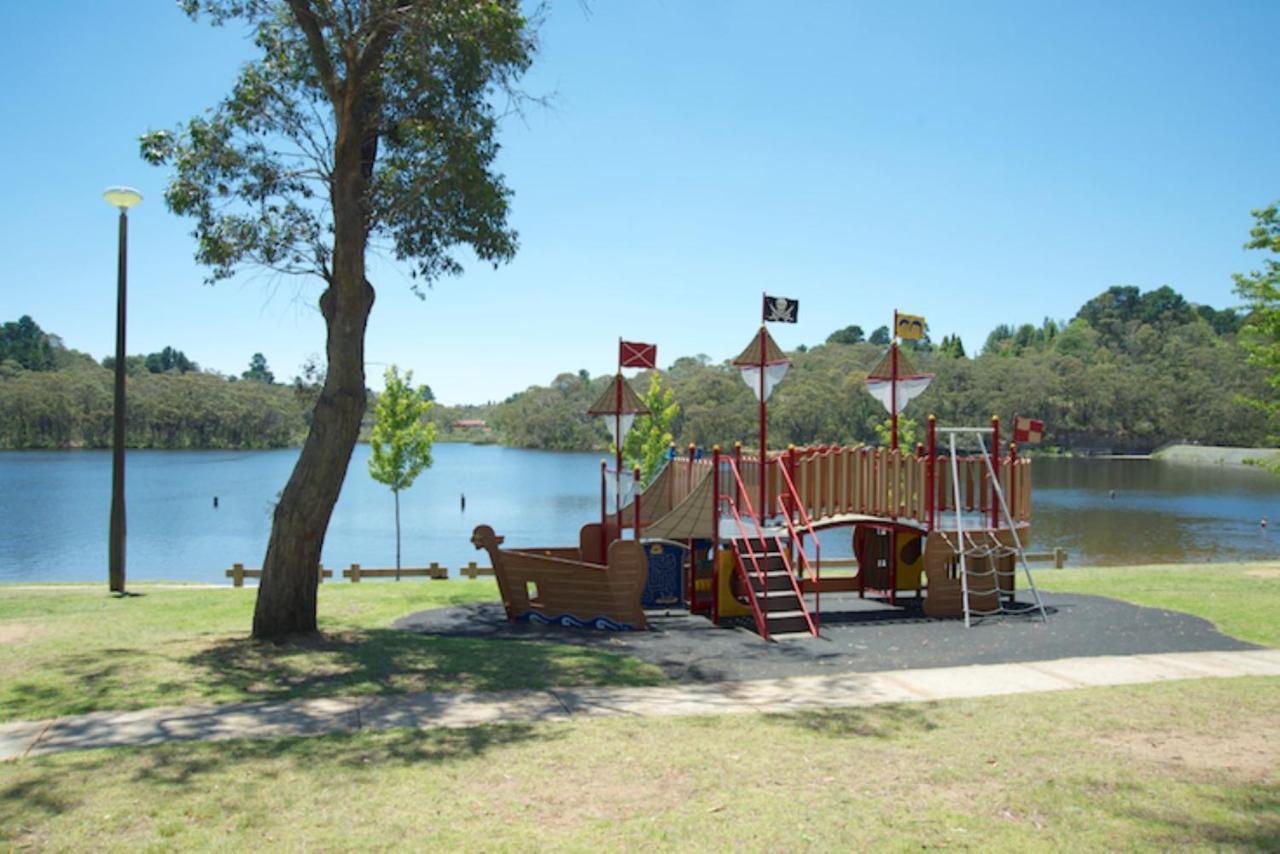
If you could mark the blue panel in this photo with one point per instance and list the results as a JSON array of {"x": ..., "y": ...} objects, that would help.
[{"x": 662, "y": 588}]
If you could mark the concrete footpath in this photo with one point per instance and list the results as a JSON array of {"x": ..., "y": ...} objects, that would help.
[{"x": 432, "y": 710}]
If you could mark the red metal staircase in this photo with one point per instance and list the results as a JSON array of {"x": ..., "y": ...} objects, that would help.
[{"x": 764, "y": 567}]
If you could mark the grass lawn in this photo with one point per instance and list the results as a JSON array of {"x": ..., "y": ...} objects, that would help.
[
  {"x": 1192, "y": 764},
  {"x": 71, "y": 649},
  {"x": 1241, "y": 599}
]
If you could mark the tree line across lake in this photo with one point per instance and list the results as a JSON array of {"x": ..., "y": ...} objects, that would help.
[{"x": 1129, "y": 372}]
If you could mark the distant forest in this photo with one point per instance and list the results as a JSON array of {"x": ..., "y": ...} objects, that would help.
[{"x": 1129, "y": 372}]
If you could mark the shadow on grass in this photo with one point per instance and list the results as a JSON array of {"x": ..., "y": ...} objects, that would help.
[
  {"x": 1254, "y": 824},
  {"x": 381, "y": 661},
  {"x": 46, "y": 788},
  {"x": 883, "y": 722},
  {"x": 85, "y": 682},
  {"x": 376, "y": 661}
]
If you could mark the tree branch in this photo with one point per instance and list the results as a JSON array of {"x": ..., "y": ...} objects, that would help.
[{"x": 310, "y": 26}]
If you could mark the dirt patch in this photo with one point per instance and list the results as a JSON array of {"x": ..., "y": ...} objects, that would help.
[
  {"x": 1264, "y": 572},
  {"x": 1251, "y": 754},
  {"x": 14, "y": 631}
]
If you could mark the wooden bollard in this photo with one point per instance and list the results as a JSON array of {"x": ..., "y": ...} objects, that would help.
[
  {"x": 237, "y": 575},
  {"x": 438, "y": 571},
  {"x": 355, "y": 573}
]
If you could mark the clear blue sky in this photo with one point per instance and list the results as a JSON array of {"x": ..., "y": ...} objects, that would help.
[{"x": 975, "y": 163}]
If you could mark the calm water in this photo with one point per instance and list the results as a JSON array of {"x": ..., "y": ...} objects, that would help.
[{"x": 54, "y": 510}]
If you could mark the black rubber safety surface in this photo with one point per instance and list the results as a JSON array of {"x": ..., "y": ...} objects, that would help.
[{"x": 860, "y": 636}]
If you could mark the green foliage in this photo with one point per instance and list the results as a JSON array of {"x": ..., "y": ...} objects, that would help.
[
  {"x": 1260, "y": 289},
  {"x": 258, "y": 371},
  {"x": 72, "y": 408},
  {"x": 419, "y": 81},
  {"x": 951, "y": 347},
  {"x": 650, "y": 436},
  {"x": 1168, "y": 377},
  {"x": 401, "y": 439},
  {"x": 402, "y": 435},
  {"x": 26, "y": 345},
  {"x": 848, "y": 335},
  {"x": 880, "y": 337},
  {"x": 553, "y": 417},
  {"x": 170, "y": 359},
  {"x": 909, "y": 432}
]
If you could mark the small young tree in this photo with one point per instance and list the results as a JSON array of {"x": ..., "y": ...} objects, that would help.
[
  {"x": 402, "y": 438},
  {"x": 647, "y": 442}
]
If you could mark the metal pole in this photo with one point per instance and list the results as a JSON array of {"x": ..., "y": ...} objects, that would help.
[
  {"x": 116, "y": 553},
  {"x": 617, "y": 468},
  {"x": 635, "y": 505},
  {"x": 893, "y": 384},
  {"x": 715, "y": 534},
  {"x": 995, "y": 471},
  {"x": 964, "y": 569},
  {"x": 764, "y": 454},
  {"x": 930, "y": 475},
  {"x": 604, "y": 512}
]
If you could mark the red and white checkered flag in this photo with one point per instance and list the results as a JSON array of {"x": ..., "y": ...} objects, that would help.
[{"x": 1027, "y": 431}]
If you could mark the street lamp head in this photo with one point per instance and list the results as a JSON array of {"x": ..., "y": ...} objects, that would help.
[{"x": 122, "y": 197}]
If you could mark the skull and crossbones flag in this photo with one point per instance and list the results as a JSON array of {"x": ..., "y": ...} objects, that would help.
[{"x": 780, "y": 309}]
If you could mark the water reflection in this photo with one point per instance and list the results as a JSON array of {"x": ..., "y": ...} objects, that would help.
[
  {"x": 1160, "y": 511},
  {"x": 54, "y": 510}
]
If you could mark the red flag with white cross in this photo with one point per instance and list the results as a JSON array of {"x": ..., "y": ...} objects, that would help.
[{"x": 632, "y": 354}]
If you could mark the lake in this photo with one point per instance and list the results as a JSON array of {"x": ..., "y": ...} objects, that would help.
[{"x": 54, "y": 509}]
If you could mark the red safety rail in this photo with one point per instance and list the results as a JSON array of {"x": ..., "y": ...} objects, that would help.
[
  {"x": 762, "y": 623},
  {"x": 787, "y": 508}
]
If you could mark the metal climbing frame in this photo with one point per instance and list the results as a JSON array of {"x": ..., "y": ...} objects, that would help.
[{"x": 961, "y": 548}]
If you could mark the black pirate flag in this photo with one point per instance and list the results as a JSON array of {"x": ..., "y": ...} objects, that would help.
[{"x": 780, "y": 309}]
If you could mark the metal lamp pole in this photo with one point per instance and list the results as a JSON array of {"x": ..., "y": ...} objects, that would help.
[{"x": 122, "y": 198}]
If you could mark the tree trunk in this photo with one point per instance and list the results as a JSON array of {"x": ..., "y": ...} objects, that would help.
[
  {"x": 397, "y": 494},
  {"x": 286, "y": 602}
]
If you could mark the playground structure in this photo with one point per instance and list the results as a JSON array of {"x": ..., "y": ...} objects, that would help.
[{"x": 945, "y": 526}]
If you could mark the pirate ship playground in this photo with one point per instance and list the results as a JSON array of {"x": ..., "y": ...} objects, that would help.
[{"x": 736, "y": 535}]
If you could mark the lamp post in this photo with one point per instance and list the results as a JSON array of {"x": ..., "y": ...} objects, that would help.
[{"x": 122, "y": 198}]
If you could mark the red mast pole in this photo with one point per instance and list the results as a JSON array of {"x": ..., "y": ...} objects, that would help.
[
  {"x": 763, "y": 447},
  {"x": 604, "y": 512},
  {"x": 930, "y": 474},
  {"x": 635, "y": 475},
  {"x": 893, "y": 384},
  {"x": 995, "y": 468},
  {"x": 715, "y": 534},
  {"x": 617, "y": 452}
]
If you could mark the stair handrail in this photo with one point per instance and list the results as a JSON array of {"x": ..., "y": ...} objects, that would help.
[
  {"x": 804, "y": 558},
  {"x": 762, "y": 623},
  {"x": 751, "y": 511}
]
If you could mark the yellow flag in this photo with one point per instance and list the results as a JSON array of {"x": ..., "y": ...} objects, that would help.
[{"x": 910, "y": 326}]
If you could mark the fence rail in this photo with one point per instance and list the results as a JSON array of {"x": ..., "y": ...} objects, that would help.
[{"x": 238, "y": 573}]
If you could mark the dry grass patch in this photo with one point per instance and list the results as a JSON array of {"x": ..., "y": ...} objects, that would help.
[{"x": 1047, "y": 770}]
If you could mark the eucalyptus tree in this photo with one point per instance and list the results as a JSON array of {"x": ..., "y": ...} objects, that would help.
[
  {"x": 358, "y": 121},
  {"x": 1261, "y": 291}
]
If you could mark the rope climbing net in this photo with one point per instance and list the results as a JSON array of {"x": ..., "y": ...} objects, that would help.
[{"x": 988, "y": 564}]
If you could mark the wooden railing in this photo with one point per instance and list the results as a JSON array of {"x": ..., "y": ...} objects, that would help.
[
  {"x": 839, "y": 480},
  {"x": 238, "y": 573}
]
